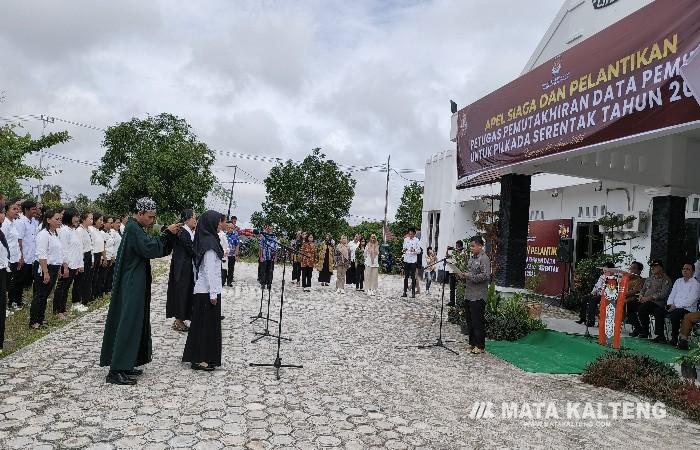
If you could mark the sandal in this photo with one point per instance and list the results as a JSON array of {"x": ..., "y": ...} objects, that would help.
[{"x": 180, "y": 327}]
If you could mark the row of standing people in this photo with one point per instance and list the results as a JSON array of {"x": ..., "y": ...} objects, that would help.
[
  {"x": 355, "y": 262},
  {"x": 50, "y": 250}
]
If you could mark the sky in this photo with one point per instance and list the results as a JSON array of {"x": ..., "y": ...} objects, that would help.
[{"x": 362, "y": 79}]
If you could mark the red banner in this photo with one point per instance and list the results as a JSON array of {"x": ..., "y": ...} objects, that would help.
[
  {"x": 542, "y": 241},
  {"x": 621, "y": 82}
]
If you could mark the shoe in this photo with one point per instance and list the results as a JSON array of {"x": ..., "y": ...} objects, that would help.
[
  {"x": 660, "y": 339},
  {"x": 634, "y": 333},
  {"x": 682, "y": 344},
  {"x": 119, "y": 378},
  {"x": 199, "y": 366},
  {"x": 643, "y": 336},
  {"x": 468, "y": 348},
  {"x": 133, "y": 373},
  {"x": 222, "y": 317},
  {"x": 477, "y": 351},
  {"x": 404, "y": 295},
  {"x": 673, "y": 341},
  {"x": 580, "y": 322},
  {"x": 451, "y": 304},
  {"x": 229, "y": 284}
]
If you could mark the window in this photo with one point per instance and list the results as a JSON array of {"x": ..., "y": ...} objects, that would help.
[
  {"x": 588, "y": 211},
  {"x": 437, "y": 231},
  {"x": 595, "y": 211},
  {"x": 603, "y": 210},
  {"x": 696, "y": 200},
  {"x": 431, "y": 216},
  {"x": 580, "y": 211},
  {"x": 532, "y": 215}
]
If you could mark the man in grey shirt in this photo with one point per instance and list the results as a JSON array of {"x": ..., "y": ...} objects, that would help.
[
  {"x": 476, "y": 279},
  {"x": 652, "y": 299}
]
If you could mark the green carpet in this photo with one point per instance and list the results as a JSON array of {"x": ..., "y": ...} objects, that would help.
[{"x": 550, "y": 351}]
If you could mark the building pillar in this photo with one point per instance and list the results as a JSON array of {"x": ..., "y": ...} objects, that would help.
[
  {"x": 668, "y": 232},
  {"x": 514, "y": 215}
]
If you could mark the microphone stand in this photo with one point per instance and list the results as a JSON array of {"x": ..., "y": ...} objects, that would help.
[
  {"x": 259, "y": 315},
  {"x": 266, "y": 331},
  {"x": 277, "y": 364},
  {"x": 439, "y": 342}
]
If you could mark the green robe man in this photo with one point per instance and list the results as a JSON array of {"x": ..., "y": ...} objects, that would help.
[{"x": 127, "y": 338}]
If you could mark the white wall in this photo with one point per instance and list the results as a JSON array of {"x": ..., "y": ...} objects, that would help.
[{"x": 576, "y": 21}]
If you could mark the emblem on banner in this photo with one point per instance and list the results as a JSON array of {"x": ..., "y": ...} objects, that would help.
[
  {"x": 599, "y": 4},
  {"x": 557, "y": 76}
]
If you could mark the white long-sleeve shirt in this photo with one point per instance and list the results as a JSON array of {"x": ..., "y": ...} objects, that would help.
[
  {"x": 353, "y": 248},
  {"x": 98, "y": 240},
  {"x": 685, "y": 294},
  {"x": 85, "y": 239},
  {"x": 109, "y": 245},
  {"x": 48, "y": 247},
  {"x": 26, "y": 232},
  {"x": 209, "y": 275},
  {"x": 72, "y": 247},
  {"x": 9, "y": 227},
  {"x": 117, "y": 240},
  {"x": 224, "y": 244}
]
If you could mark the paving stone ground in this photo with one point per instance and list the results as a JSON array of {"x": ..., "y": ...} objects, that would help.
[{"x": 357, "y": 390}]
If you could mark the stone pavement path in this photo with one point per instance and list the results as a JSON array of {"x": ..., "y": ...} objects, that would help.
[{"x": 356, "y": 390}]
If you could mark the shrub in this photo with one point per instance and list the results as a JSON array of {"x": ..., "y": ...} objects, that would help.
[
  {"x": 644, "y": 376},
  {"x": 572, "y": 301},
  {"x": 622, "y": 370},
  {"x": 508, "y": 319}
]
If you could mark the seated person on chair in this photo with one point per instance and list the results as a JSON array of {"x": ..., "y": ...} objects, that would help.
[
  {"x": 683, "y": 300},
  {"x": 652, "y": 301},
  {"x": 689, "y": 321},
  {"x": 589, "y": 304},
  {"x": 634, "y": 287}
]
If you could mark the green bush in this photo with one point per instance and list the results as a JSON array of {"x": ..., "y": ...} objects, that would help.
[
  {"x": 510, "y": 320},
  {"x": 572, "y": 301},
  {"x": 622, "y": 370},
  {"x": 642, "y": 375}
]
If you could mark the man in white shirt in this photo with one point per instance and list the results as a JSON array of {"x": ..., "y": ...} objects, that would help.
[
  {"x": 9, "y": 228},
  {"x": 682, "y": 300},
  {"x": 224, "y": 261},
  {"x": 4, "y": 265},
  {"x": 27, "y": 226},
  {"x": 352, "y": 246},
  {"x": 411, "y": 247}
]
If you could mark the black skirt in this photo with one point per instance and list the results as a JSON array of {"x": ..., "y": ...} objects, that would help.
[{"x": 204, "y": 338}]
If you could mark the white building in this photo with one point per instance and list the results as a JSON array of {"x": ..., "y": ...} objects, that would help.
[{"x": 621, "y": 178}]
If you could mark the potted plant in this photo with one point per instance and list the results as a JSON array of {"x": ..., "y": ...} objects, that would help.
[{"x": 689, "y": 362}]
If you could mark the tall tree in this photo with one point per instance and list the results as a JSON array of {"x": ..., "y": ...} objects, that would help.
[
  {"x": 409, "y": 213},
  {"x": 13, "y": 149},
  {"x": 313, "y": 195},
  {"x": 158, "y": 156}
]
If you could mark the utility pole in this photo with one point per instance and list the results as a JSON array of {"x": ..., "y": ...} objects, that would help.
[
  {"x": 230, "y": 199},
  {"x": 386, "y": 197}
]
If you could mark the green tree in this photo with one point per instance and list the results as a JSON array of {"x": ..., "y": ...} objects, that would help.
[
  {"x": 13, "y": 149},
  {"x": 51, "y": 197},
  {"x": 313, "y": 195},
  {"x": 409, "y": 213},
  {"x": 159, "y": 157},
  {"x": 365, "y": 229}
]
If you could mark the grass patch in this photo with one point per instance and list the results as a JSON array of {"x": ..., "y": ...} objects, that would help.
[{"x": 18, "y": 334}]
